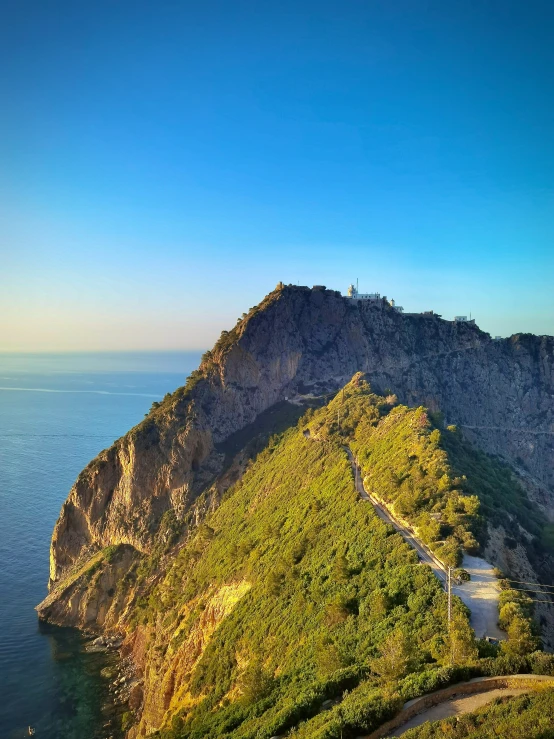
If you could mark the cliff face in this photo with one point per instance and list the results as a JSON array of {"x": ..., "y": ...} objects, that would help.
[{"x": 296, "y": 342}]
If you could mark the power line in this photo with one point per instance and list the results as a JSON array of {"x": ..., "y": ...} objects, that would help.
[
  {"x": 528, "y": 598},
  {"x": 526, "y": 590},
  {"x": 519, "y": 582},
  {"x": 526, "y": 582}
]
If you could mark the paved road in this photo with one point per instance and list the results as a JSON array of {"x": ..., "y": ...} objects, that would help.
[
  {"x": 424, "y": 553},
  {"x": 457, "y": 707},
  {"x": 480, "y": 594}
]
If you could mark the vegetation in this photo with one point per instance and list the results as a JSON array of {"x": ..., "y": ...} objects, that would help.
[
  {"x": 529, "y": 715},
  {"x": 404, "y": 464},
  {"x": 293, "y": 592},
  {"x": 503, "y": 502},
  {"x": 336, "y": 600},
  {"x": 441, "y": 486}
]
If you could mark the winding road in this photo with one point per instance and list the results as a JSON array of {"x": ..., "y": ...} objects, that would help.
[{"x": 480, "y": 594}]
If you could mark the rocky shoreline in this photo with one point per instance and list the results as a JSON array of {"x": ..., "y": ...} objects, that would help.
[{"x": 124, "y": 686}]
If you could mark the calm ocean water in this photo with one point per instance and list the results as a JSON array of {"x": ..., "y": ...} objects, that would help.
[{"x": 56, "y": 413}]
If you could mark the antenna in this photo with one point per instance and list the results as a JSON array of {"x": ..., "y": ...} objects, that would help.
[{"x": 356, "y": 284}]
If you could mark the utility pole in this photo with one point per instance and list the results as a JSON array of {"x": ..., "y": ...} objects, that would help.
[
  {"x": 450, "y": 614},
  {"x": 449, "y": 588}
]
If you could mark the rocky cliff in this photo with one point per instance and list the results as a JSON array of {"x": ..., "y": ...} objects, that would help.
[{"x": 300, "y": 341}]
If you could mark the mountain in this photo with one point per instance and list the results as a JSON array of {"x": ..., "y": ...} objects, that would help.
[
  {"x": 224, "y": 539},
  {"x": 299, "y": 341}
]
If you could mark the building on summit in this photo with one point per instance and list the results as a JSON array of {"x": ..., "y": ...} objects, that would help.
[{"x": 353, "y": 294}]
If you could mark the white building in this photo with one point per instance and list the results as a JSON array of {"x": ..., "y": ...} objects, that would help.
[
  {"x": 353, "y": 293},
  {"x": 398, "y": 308}
]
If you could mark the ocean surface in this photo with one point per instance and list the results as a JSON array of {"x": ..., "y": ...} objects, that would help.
[{"x": 56, "y": 413}]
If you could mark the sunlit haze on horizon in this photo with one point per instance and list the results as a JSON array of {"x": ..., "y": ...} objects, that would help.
[{"x": 165, "y": 164}]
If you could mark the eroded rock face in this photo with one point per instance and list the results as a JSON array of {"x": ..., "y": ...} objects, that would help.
[
  {"x": 299, "y": 341},
  {"x": 169, "y": 679},
  {"x": 92, "y": 598}
]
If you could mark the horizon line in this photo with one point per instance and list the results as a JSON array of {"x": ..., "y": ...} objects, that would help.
[{"x": 99, "y": 351}]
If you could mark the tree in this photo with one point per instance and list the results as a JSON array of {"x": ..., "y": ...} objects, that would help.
[
  {"x": 435, "y": 437},
  {"x": 520, "y": 638},
  {"x": 205, "y": 532},
  {"x": 336, "y": 612},
  {"x": 255, "y": 682},
  {"x": 341, "y": 568},
  {"x": 508, "y": 612},
  {"x": 396, "y": 655},
  {"x": 461, "y": 644},
  {"x": 275, "y": 581},
  {"x": 379, "y": 604},
  {"x": 327, "y": 657}
]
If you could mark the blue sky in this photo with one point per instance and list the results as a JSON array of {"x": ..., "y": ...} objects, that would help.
[{"x": 164, "y": 164}]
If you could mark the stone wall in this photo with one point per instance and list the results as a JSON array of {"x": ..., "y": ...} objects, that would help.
[{"x": 477, "y": 685}]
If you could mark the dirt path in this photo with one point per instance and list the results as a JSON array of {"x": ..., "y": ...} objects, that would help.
[
  {"x": 480, "y": 594},
  {"x": 457, "y": 707}
]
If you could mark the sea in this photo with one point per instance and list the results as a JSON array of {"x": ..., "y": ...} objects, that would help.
[{"x": 57, "y": 411}]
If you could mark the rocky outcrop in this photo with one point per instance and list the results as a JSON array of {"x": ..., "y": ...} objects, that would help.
[
  {"x": 300, "y": 341},
  {"x": 91, "y": 597}
]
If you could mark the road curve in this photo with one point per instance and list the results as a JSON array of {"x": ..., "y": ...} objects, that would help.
[
  {"x": 459, "y": 698},
  {"x": 457, "y": 707}
]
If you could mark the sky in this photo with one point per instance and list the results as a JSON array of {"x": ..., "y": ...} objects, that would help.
[{"x": 164, "y": 164}]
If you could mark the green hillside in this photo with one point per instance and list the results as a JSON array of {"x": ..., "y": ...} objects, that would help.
[{"x": 293, "y": 592}]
